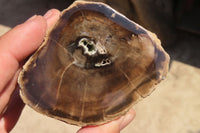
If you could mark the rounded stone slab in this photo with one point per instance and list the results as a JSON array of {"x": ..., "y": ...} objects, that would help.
[{"x": 93, "y": 66}]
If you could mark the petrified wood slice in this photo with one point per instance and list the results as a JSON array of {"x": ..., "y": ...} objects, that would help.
[{"x": 93, "y": 66}]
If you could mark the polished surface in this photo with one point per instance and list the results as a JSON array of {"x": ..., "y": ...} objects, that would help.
[{"x": 94, "y": 65}]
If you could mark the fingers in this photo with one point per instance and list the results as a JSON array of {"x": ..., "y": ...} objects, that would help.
[
  {"x": 7, "y": 91},
  {"x": 15, "y": 46},
  {"x": 11, "y": 104},
  {"x": 111, "y": 127},
  {"x": 20, "y": 42},
  {"x": 13, "y": 111},
  {"x": 25, "y": 38}
]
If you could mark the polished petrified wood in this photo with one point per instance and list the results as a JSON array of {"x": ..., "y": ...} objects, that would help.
[{"x": 93, "y": 66}]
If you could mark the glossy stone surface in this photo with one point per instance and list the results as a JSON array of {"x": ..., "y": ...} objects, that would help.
[{"x": 93, "y": 66}]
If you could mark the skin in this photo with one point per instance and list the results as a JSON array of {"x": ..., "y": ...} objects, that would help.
[{"x": 15, "y": 47}]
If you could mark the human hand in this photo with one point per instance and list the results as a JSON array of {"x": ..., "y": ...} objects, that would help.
[{"x": 15, "y": 46}]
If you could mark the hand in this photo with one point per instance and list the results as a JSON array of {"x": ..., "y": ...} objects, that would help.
[{"x": 15, "y": 46}]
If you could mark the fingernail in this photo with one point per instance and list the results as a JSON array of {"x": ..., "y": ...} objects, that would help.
[
  {"x": 48, "y": 14},
  {"x": 32, "y": 18},
  {"x": 127, "y": 119}
]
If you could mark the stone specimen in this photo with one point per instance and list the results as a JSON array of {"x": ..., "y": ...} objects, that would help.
[{"x": 93, "y": 66}]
